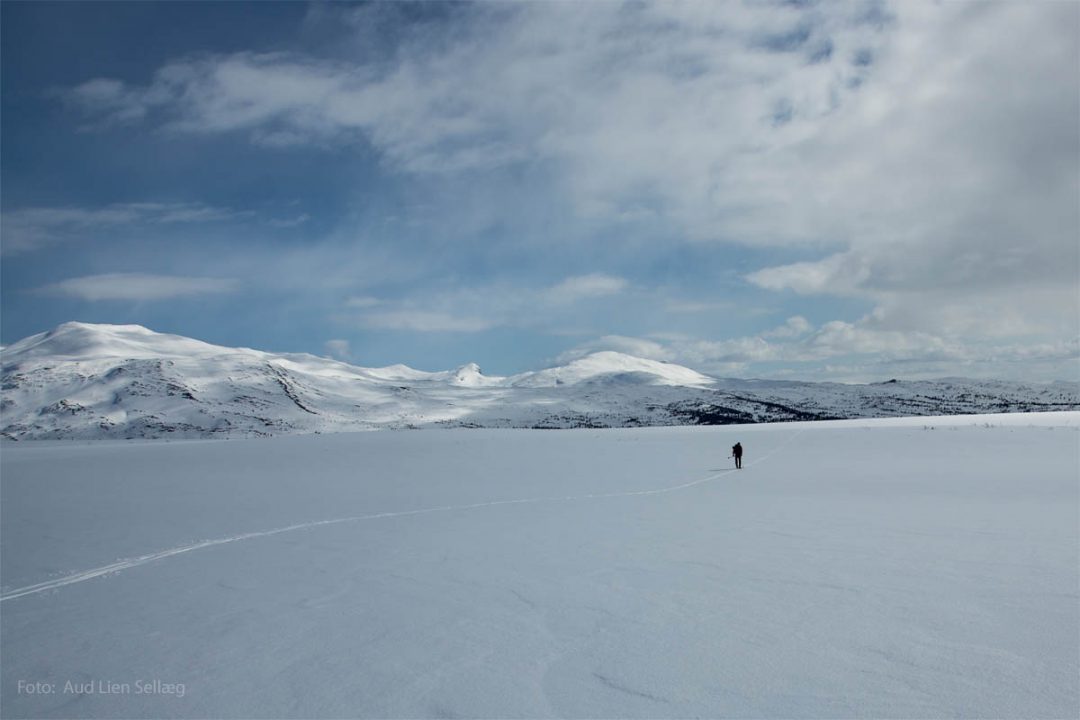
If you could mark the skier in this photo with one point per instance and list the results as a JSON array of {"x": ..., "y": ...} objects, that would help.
[{"x": 737, "y": 452}]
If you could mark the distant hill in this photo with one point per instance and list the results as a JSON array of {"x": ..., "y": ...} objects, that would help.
[{"x": 84, "y": 381}]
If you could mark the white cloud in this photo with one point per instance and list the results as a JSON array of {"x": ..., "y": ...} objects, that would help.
[
  {"x": 838, "y": 338},
  {"x": 290, "y": 222},
  {"x": 953, "y": 181},
  {"x": 572, "y": 83},
  {"x": 794, "y": 327},
  {"x": 339, "y": 349},
  {"x": 363, "y": 302},
  {"x": 691, "y": 306},
  {"x": 31, "y": 228},
  {"x": 481, "y": 308},
  {"x": 718, "y": 116},
  {"x": 422, "y": 321},
  {"x": 580, "y": 287},
  {"x": 190, "y": 214},
  {"x": 839, "y": 274},
  {"x": 847, "y": 117},
  {"x": 138, "y": 287},
  {"x": 113, "y": 100},
  {"x": 924, "y": 153},
  {"x": 850, "y": 352}
]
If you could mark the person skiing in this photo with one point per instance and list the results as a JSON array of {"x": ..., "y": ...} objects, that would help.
[{"x": 737, "y": 452}]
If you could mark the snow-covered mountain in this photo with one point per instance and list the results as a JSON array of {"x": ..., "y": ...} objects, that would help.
[{"x": 125, "y": 381}]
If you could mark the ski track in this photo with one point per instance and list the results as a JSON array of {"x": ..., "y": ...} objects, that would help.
[{"x": 127, "y": 564}]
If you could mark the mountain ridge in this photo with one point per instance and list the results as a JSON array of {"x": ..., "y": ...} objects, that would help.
[{"x": 87, "y": 381}]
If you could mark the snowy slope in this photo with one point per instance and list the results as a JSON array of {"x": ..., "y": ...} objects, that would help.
[
  {"x": 857, "y": 569},
  {"x": 124, "y": 381},
  {"x": 613, "y": 368}
]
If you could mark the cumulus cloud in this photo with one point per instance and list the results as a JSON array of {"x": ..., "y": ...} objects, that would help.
[
  {"x": 138, "y": 287},
  {"x": 762, "y": 123},
  {"x": 921, "y": 157},
  {"x": 953, "y": 181},
  {"x": 632, "y": 99},
  {"x": 838, "y": 274},
  {"x": 794, "y": 327}
]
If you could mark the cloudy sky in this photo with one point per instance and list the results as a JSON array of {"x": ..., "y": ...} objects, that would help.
[{"x": 845, "y": 191}]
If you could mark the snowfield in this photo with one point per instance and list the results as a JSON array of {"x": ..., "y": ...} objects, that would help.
[{"x": 903, "y": 568}]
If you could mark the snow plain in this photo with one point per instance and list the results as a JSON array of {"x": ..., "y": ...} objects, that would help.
[{"x": 902, "y": 568}]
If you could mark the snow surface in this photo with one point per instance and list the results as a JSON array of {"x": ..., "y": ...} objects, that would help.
[
  {"x": 83, "y": 381},
  {"x": 904, "y": 568},
  {"x": 613, "y": 366}
]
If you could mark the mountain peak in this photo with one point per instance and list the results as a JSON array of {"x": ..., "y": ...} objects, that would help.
[
  {"x": 85, "y": 341},
  {"x": 608, "y": 364},
  {"x": 76, "y": 325},
  {"x": 468, "y": 374}
]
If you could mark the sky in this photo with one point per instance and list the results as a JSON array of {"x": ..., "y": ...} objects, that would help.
[{"x": 793, "y": 190}]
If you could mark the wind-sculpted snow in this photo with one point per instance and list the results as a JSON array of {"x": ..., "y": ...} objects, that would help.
[{"x": 83, "y": 381}]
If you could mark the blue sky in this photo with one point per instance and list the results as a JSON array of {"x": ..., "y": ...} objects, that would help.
[{"x": 795, "y": 190}]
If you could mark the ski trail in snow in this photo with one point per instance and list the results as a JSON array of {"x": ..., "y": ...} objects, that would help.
[{"x": 121, "y": 565}]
